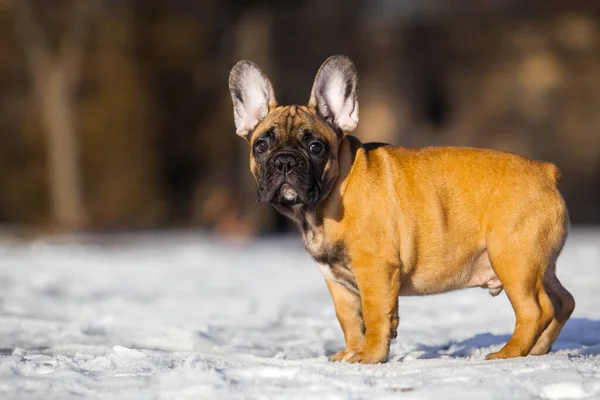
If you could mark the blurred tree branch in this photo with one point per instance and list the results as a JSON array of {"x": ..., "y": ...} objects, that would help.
[
  {"x": 32, "y": 38},
  {"x": 55, "y": 77},
  {"x": 73, "y": 44}
]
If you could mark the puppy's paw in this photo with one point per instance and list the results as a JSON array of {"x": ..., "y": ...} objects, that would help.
[
  {"x": 363, "y": 357},
  {"x": 505, "y": 353},
  {"x": 343, "y": 355},
  {"x": 494, "y": 356}
]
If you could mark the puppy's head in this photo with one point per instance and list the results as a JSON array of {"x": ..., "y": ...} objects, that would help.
[{"x": 294, "y": 149}]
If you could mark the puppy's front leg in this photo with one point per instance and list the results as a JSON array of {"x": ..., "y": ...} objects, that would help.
[
  {"x": 348, "y": 312},
  {"x": 378, "y": 283}
]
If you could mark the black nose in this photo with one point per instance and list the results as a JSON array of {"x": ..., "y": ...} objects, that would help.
[{"x": 284, "y": 163}]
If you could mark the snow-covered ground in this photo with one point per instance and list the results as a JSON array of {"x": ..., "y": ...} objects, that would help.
[{"x": 187, "y": 316}]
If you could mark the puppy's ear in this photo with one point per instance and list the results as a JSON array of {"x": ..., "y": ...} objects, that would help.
[
  {"x": 333, "y": 94},
  {"x": 252, "y": 96}
]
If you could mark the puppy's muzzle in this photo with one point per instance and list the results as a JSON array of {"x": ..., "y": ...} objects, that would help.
[{"x": 287, "y": 179}]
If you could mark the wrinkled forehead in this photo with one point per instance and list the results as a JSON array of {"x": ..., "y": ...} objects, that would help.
[{"x": 293, "y": 122}]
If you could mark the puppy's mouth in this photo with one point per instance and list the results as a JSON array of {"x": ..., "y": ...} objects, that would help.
[{"x": 287, "y": 195}]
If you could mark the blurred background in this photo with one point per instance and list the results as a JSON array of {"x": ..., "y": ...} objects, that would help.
[{"x": 115, "y": 114}]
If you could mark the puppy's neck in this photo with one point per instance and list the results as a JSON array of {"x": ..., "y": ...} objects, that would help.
[
  {"x": 315, "y": 224},
  {"x": 313, "y": 221}
]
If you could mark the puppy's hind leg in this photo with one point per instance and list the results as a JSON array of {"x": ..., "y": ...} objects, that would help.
[
  {"x": 563, "y": 303},
  {"x": 520, "y": 267}
]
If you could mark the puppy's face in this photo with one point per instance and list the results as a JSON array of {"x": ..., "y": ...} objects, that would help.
[
  {"x": 294, "y": 149},
  {"x": 293, "y": 157}
]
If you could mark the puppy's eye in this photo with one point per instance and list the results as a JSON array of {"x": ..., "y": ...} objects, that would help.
[
  {"x": 315, "y": 147},
  {"x": 261, "y": 146}
]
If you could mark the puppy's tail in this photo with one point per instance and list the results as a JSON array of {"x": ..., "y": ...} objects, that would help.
[{"x": 552, "y": 172}]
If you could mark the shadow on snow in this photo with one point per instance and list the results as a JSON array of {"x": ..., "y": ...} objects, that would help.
[{"x": 580, "y": 334}]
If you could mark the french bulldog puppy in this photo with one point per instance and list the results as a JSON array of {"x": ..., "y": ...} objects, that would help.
[{"x": 384, "y": 221}]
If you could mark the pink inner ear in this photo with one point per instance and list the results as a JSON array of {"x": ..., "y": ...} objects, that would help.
[
  {"x": 248, "y": 123},
  {"x": 255, "y": 106},
  {"x": 252, "y": 95},
  {"x": 334, "y": 93},
  {"x": 344, "y": 110},
  {"x": 331, "y": 98},
  {"x": 347, "y": 125},
  {"x": 347, "y": 120}
]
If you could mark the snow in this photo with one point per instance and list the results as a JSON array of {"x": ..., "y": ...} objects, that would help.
[{"x": 188, "y": 316}]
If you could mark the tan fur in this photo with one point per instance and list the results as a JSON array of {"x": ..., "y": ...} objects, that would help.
[
  {"x": 402, "y": 221},
  {"x": 429, "y": 214}
]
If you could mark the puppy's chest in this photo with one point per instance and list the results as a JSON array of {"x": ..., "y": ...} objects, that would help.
[{"x": 331, "y": 256}]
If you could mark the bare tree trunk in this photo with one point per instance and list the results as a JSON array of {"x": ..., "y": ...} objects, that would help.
[
  {"x": 55, "y": 78},
  {"x": 63, "y": 158},
  {"x": 252, "y": 37}
]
